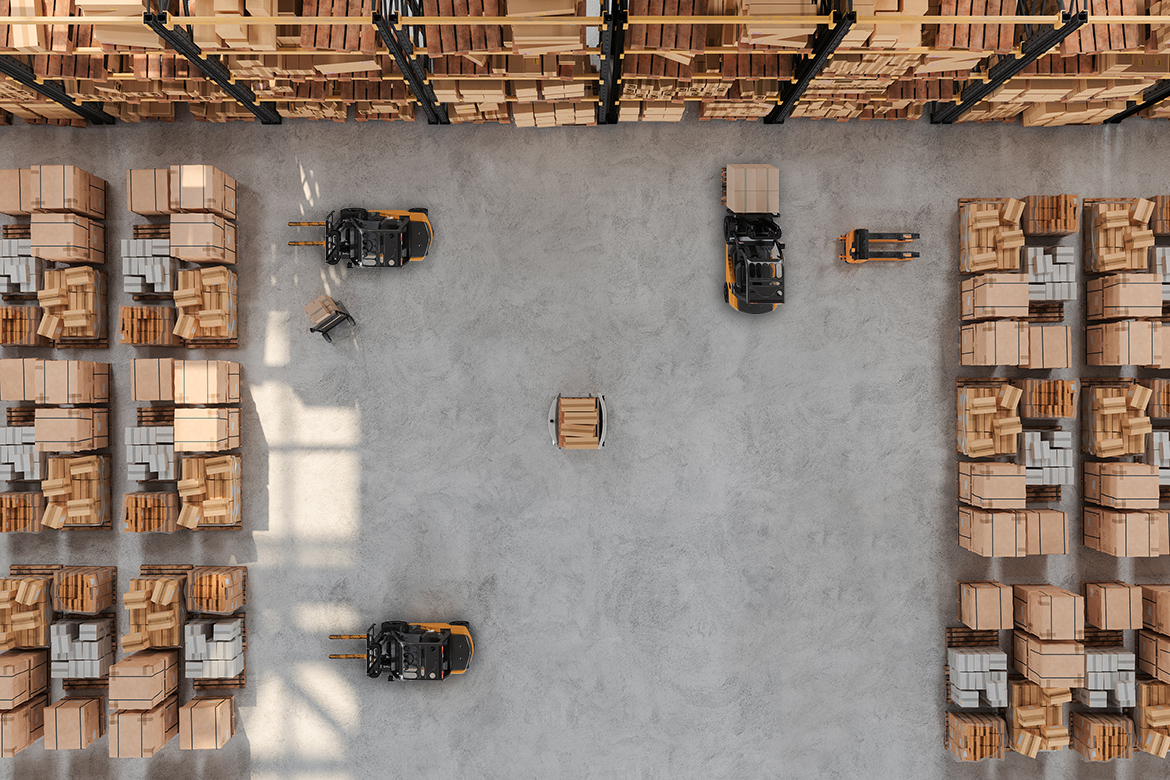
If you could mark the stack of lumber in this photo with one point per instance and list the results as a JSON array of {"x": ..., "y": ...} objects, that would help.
[
  {"x": 481, "y": 113},
  {"x": 206, "y": 299},
  {"x": 1117, "y": 235},
  {"x": 715, "y": 109},
  {"x": 148, "y": 326},
  {"x": 546, "y": 38},
  {"x": 773, "y": 35},
  {"x": 1160, "y": 221},
  {"x": 1159, "y": 398},
  {"x": 1046, "y": 398},
  {"x": 672, "y": 43},
  {"x": 669, "y": 89},
  {"x": 150, "y": 512},
  {"x": 1051, "y": 215},
  {"x": 1094, "y": 38},
  {"x": 1152, "y": 717},
  {"x": 25, "y": 612},
  {"x": 990, "y": 238},
  {"x": 860, "y": 76},
  {"x": 987, "y": 420},
  {"x": 155, "y": 608},
  {"x": 210, "y": 492},
  {"x": 553, "y": 114},
  {"x": 74, "y": 303},
  {"x": 337, "y": 37},
  {"x": 19, "y": 326},
  {"x": 578, "y": 423},
  {"x": 21, "y": 512},
  {"x": 975, "y": 736},
  {"x": 84, "y": 590},
  {"x": 474, "y": 42},
  {"x": 77, "y": 492},
  {"x": 1101, "y": 736},
  {"x": 216, "y": 590},
  {"x": 975, "y": 37},
  {"x": 1036, "y": 718}
]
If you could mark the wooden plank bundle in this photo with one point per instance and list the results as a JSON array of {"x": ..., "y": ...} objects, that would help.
[
  {"x": 553, "y": 114},
  {"x": 677, "y": 43},
  {"x": 24, "y": 612},
  {"x": 540, "y": 39},
  {"x": 990, "y": 238},
  {"x": 1115, "y": 422},
  {"x": 84, "y": 590},
  {"x": 74, "y": 303},
  {"x": 210, "y": 492},
  {"x": 1159, "y": 398},
  {"x": 764, "y": 34},
  {"x": 156, "y": 610},
  {"x": 150, "y": 512},
  {"x": 1051, "y": 215},
  {"x": 578, "y": 423},
  {"x": 975, "y": 736},
  {"x": 1160, "y": 221},
  {"x": 207, "y": 303},
  {"x": 216, "y": 590},
  {"x": 1102, "y": 736},
  {"x": 1117, "y": 235},
  {"x": 19, "y": 326},
  {"x": 1094, "y": 38},
  {"x": 148, "y": 326},
  {"x": 77, "y": 492},
  {"x": 1045, "y": 398},
  {"x": 21, "y": 512},
  {"x": 473, "y": 42}
]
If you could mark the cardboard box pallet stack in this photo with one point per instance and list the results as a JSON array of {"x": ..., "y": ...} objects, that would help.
[
  {"x": 144, "y": 703},
  {"x": 1114, "y": 423},
  {"x": 1152, "y": 717},
  {"x": 974, "y": 736},
  {"x": 1036, "y": 719},
  {"x": 77, "y": 492},
  {"x": 990, "y": 237},
  {"x": 24, "y": 612},
  {"x": 987, "y": 420},
  {"x": 578, "y": 423},
  {"x": 24, "y": 683},
  {"x": 210, "y": 493},
  {"x": 1121, "y": 515},
  {"x": 156, "y": 610}
]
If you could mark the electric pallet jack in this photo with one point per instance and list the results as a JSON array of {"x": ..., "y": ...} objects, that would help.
[
  {"x": 373, "y": 239},
  {"x": 414, "y": 651},
  {"x": 860, "y": 246},
  {"x": 754, "y": 280}
]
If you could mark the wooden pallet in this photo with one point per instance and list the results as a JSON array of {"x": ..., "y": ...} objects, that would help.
[
  {"x": 102, "y": 342},
  {"x": 240, "y": 680},
  {"x": 153, "y": 296},
  {"x": 1096, "y": 637},
  {"x": 155, "y": 416},
  {"x": 164, "y": 570},
  {"x": 20, "y": 416},
  {"x": 961, "y": 636},
  {"x": 34, "y": 569},
  {"x": 1047, "y": 311},
  {"x": 975, "y": 381},
  {"x": 16, "y": 297},
  {"x": 152, "y": 231},
  {"x": 1040, "y": 493},
  {"x": 205, "y": 343},
  {"x": 17, "y": 231}
]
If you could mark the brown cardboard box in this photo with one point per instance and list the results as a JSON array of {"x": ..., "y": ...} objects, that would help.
[
  {"x": 753, "y": 189},
  {"x": 985, "y": 606},
  {"x": 1049, "y": 612},
  {"x": 74, "y": 724},
  {"x": 153, "y": 379},
  {"x": 1125, "y": 343},
  {"x": 992, "y": 485},
  {"x": 1046, "y": 531},
  {"x": 1049, "y": 663},
  {"x": 207, "y": 430},
  {"x": 67, "y": 189},
  {"x": 72, "y": 430},
  {"x": 998, "y": 343},
  {"x": 992, "y": 534},
  {"x": 203, "y": 238},
  {"x": 1124, "y": 296},
  {"x": 141, "y": 681},
  {"x": 1049, "y": 346},
  {"x": 202, "y": 188},
  {"x": 148, "y": 191},
  {"x": 1102, "y": 736},
  {"x": 320, "y": 309},
  {"x": 68, "y": 238},
  {"x": 1113, "y": 606},
  {"x": 1153, "y": 655},
  {"x": 994, "y": 296},
  {"x": 23, "y": 675},
  {"x": 206, "y": 382},
  {"x": 72, "y": 382},
  {"x": 974, "y": 736},
  {"x": 84, "y": 590},
  {"x": 1121, "y": 485},
  {"x": 206, "y": 724},
  {"x": 16, "y": 192},
  {"x": 141, "y": 734},
  {"x": 1155, "y": 607},
  {"x": 18, "y": 379},
  {"x": 1127, "y": 533},
  {"x": 22, "y": 727}
]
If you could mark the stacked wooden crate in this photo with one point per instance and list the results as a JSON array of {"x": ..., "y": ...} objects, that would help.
[
  {"x": 1036, "y": 718},
  {"x": 1052, "y": 398},
  {"x": 84, "y": 590},
  {"x": 156, "y": 610},
  {"x": 150, "y": 512},
  {"x": 1152, "y": 717},
  {"x": 974, "y": 736},
  {"x": 210, "y": 492},
  {"x": 25, "y": 612},
  {"x": 988, "y": 423},
  {"x": 77, "y": 492},
  {"x": 1051, "y": 215},
  {"x": 21, "y": 511},
  {"x": 216, "y": 590}
]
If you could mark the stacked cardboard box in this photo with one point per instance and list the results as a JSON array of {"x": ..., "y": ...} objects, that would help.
[
  {"x": 1056, "y": 663},
  {"x": 1159, "y": 455},
  {"x": 203, "y": 238},
  {"x": 1124, "y": 296},
  {"x": 1048, "y": 457},
  {"x": 19, "y": 457},
  {"x": 74, "y": 724},
  {"x": 22, "y": 726},
  {"x": 21, "y": 512},
  {"x": 207, "y": 430},
  {"x": 155, "y": 606},
  {"x": 1049, "y": 346},
  {"x": 320, "y": 309},
  {"x": 74, "y": 303},
  {"x": 1121, "y": 485},
  {"x": 992, "y": 485},
  {"x": 752, "y": 189},
  {"x": 1013, "y": 534},
  {"x": 990, "y": 238},
  {"x": 150, "y": 453},
  {"x": 978, "y": 675},
  {"x": 1051, "y": 273},
  {"x": 987, "y": 422},
  {"x": 218, "y": 590},
  {"x": 206, "y": 382},
  {"x": 19, "y": 326},
  {"x": 153, "y": 379},
  {"x": 206, "y": 300},
  {"x": 1127, "y": 533},
  {"x": 20, "y": 271},
  {"x": 68, "y": 238},
  {"x": 1049, "y": 612},
  {"x": 144, "y": 706},
  {"x": 1101, "y": 737},
  {"x": 146, "y": 512},
  {"x": 1160, "y": 262},
  {"x": 66, "y": 189},
  {"x": 1115, "y": 422},
  {"x": 1154, "y": 654},
  {"x": 1155, "y": 607},
  {"x": 77, "y": 492},
  {"x": 975, "y": 736},
  {"x": 996, "y": 343},
  {"x": 1036, "y": 718},
  {"x": 1051, "y": 215},
  {"x": 148, "y": 191},
  {"x": 214, "y": 649},
  {"x": 206, "y": 723},
  {"x": 1151, "y": 716},
  {"x": 147, "y": 265},
  {"x": 72, "y": 430},
  {"x": 24, "y": 612},
  {"x": 81, "y": 650},
  {"x": 986, "y": 606},
  {"x": 202, "y": 189},
  {"x": 24, "y": 675},
  {"x": 994, "y": 296},
  {"x": 1125, "y": 343},
  {"x": 83, "y": 590},
  {"x": 54, "y": 381},
  {"x": 1117, "y": 235},
  {"x": 148, "y": 326},
  {"x": 1113, "y": 606},
  {"x": 1049, "y": 398},
  {"x": 210, "y": 492},
  {"x": 1110, "y": 678}
]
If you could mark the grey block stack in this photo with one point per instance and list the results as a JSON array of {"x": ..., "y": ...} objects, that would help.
[
  {"x": 150, "y": 453},
  {"x": 147, "y": 265},
  {"x": 1160, "y": 455},
  {"x": 1052, "y": 273},
  {"x": 1049, "y": 458},
  {"x": 19, "y": 458},
  {"x": 1110, "y": 678},
  {"x": 978, "y": 673},
  {"x": 19, "y": 270},
  {"x": 214, "y": 649},
  {"x": 1160, "y": 259},
  {"x": 80, "y": 650}
]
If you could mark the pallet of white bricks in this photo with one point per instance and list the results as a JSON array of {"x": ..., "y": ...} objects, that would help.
[
  {"x": 52, "y": 445},
  {"x": 1012, "y": 305},
  {"x": 193, "y": 409},
  {"x": 1061, "y": 660},
  {"x": 52, "y": 259},
  {"x": 182, "y": 266}
]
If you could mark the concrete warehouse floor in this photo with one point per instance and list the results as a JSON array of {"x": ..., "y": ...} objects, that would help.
[{"x": 751, "y": 580}]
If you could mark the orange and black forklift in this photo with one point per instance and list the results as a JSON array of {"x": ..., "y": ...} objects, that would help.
[
  {"x": 373, "y": 239},
  {"x": 414, "y": 651},
  {"x": 755, "y": 263},
  {"x": 861, "y": 246}
]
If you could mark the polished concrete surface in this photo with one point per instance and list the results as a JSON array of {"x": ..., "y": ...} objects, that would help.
[{"x": 751, "y": 580}]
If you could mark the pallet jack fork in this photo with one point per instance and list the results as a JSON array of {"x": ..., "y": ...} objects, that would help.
[{"x": 857, "y": 246}]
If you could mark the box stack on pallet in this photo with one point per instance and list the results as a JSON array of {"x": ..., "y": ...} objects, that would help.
[
  {"x": 82, "y": 642},
  {"x": 64, "y": 289},
  {"x": 24, "y": 690},
  {"x": 25, "y": 611},
  {"x": 63, "y": 410},
  {"x": 216, "y": 640}
]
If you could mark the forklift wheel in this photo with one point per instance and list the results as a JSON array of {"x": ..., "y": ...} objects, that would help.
[{"x": 419, "y": 211}]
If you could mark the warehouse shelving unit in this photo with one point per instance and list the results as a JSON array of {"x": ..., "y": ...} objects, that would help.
[{"x": 561, "y": 62}]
